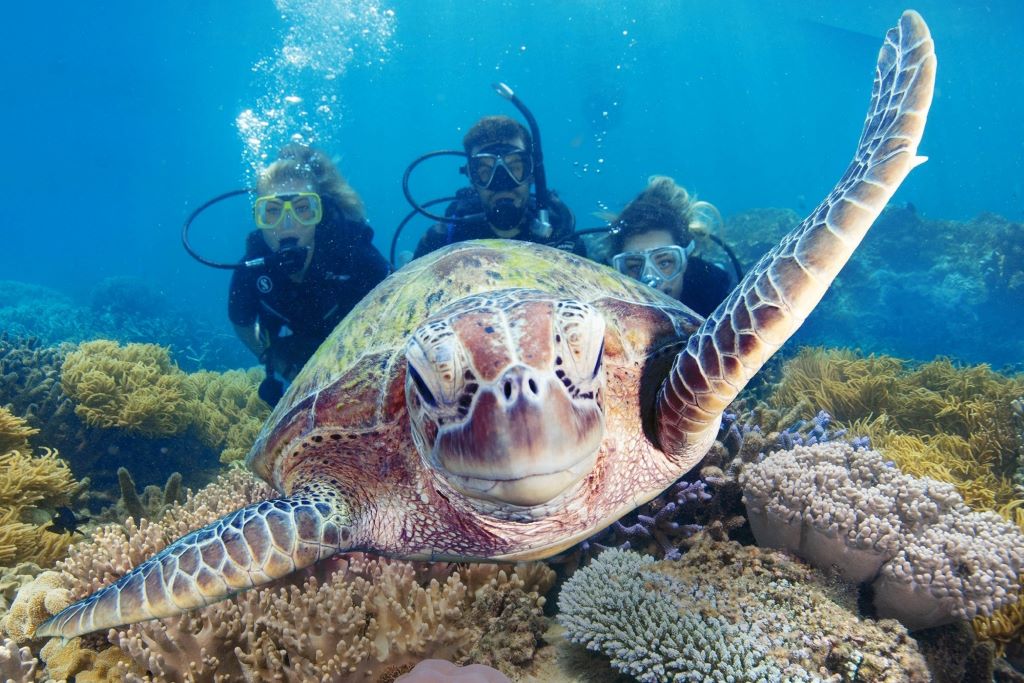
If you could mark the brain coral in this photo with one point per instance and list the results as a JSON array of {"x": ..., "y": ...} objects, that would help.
[
  {"x": 933, "y": 561},
  {"x": 728, "y": 613}
]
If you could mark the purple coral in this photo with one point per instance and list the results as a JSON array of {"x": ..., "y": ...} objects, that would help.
[{"x": 933, "y": 561}]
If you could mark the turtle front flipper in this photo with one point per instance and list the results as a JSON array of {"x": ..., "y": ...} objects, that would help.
[
  {"x": 249, "y": 547},
  {"x": 778, "y": 293}
]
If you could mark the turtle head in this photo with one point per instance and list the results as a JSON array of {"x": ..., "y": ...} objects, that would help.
[{"x": 505, "y": 395}]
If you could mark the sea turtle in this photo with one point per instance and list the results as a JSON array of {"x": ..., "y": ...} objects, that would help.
[{"x": 501, "y": 400}]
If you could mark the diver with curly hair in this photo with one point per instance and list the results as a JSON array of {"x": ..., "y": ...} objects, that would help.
[
  {"x": 316, "y": 261},
  {"x": 654, "y": 238}
]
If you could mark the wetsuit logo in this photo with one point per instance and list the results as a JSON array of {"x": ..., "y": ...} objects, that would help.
[{"x": 264, "y": 284}]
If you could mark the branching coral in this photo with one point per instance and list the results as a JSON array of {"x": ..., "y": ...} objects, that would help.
[
  {"x": 134, "y": 387},
  {"x": 353, "y": 618},
  {"x": 17, "y": 665},
  {"x": 933, "y": 561},
  {"x": 725, "y": 612},
  {"x": 14, "y": 432}
]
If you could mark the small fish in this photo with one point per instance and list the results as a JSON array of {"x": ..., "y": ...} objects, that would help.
[{"x": 65, "y": 521}]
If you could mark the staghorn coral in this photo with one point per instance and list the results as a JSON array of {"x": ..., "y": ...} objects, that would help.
[
  {"x": 933, "y": 561},
  {"x": 353, "y": 618},
  {"x": 135, "y": 387},
  {"x": 728, "y": 612},
  {"x": 228, "y": 413}
]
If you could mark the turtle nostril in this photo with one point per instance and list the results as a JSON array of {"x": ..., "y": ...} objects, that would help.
[
  {"x": 507, "y": 388},
  {"x": 533, "y": 386}
]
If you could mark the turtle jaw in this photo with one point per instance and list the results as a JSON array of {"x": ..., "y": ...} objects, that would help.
[{"x": 528, "y": 441}]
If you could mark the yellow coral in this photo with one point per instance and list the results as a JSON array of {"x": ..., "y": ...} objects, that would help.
[
  {"x": 134, "y": 387},
  {"x": 14, "y": 432},
  {"x": 227, "y": 412},
  {"x": 938, "y": 420},
  {"x": 26, "y": 482}
]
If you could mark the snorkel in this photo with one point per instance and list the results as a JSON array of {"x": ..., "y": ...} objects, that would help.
[{"x": 542, "y": 226}]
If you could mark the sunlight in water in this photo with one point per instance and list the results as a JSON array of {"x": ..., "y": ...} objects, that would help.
[{"x": 299, "y": 90}]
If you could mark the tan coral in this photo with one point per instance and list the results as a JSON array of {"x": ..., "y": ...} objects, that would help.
[
  {"x": 227, "y": 412},
  {"x": 14, "y": 432},
  {"x": 35, "y": 602},
  {"x": 135, "y": 387}
]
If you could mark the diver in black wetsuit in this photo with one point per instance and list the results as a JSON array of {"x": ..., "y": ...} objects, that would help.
[
  {"x": 653, "y": 240},
  {"x": 318, "y": 261},
  {"x": 500, "y": 169}
]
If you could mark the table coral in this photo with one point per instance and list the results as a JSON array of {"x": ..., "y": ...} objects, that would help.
[
  {"x": 932, "y": 560},
  {"x": 728, "y": 612}
]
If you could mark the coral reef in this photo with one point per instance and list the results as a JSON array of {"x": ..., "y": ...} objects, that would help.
[
  {"x": 933, "y": 561},
  {"x": 727, "y": 612},
  {"x": 938, "y": 287},
  {"x": 34, "y": 311},
  {"x": 134, "y": 387},
  {"x": 951, "y": 424},
  {"x": 354, "y": 616},
  {"x": 227, "y": 411},
  {"x": 441, "y": 671}
]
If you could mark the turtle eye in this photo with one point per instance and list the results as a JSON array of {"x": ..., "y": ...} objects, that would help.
[{"x": 421, "y": 387}]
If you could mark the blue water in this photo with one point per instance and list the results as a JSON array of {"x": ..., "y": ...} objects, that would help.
[{"x": 120, "y": 118}]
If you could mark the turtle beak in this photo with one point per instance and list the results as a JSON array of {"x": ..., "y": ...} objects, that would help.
[{"x": 528, "y": 441}]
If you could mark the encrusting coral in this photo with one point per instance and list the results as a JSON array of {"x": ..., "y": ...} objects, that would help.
[
  {"x": 932, "y": 560},
  {"x": 725, "y": 612},
  {"x": 354, "y": 617}
]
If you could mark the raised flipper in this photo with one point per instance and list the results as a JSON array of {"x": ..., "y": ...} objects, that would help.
[
  {"x": 775, "y": 297},
  {"x": 249, "y": 547}
]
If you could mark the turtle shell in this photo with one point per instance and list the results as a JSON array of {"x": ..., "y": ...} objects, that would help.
[{"x": 354, "y": 383}]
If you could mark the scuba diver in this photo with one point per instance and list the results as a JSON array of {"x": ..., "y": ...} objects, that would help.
[
  {"x": 500, "y": 169},
  {"x": 503, "y": 160},
  {"x": 654, "y": 238},
  {"x": 308, "y": 263}
]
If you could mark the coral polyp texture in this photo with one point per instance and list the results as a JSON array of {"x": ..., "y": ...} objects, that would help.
[
  {"x": 932, "y": 560},
  {"x": 724, "y": 612}
]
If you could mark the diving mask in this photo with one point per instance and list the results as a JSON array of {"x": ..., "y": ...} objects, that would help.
[
  {"x": 304, "y": 207},
  {"x": 499, "y": 167},
  {"x": 653, "y": 267}
]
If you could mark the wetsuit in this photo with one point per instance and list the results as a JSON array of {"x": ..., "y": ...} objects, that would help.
[
  {"x": 705, "y": 285},
  {"x": 468, "y": 203},
  {"x": 298, "y": 316}
]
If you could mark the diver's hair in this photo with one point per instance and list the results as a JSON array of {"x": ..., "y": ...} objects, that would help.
[
  {"x": 492, "y": 129},
  {"x": 305, "y": 164},
  {"x": 664, "y": 205}
]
